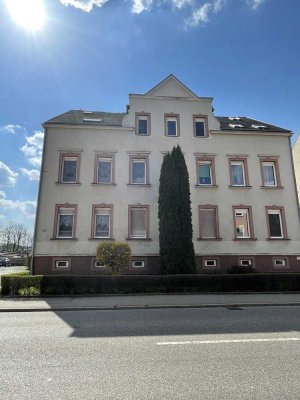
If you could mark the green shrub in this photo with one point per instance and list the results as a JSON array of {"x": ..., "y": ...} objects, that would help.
[
  {"x": 12, "y": 283},
  {"x": 31, "y": 291},
  {"x": 115, "y": 255}
]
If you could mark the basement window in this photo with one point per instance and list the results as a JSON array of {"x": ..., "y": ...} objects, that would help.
[
  {"x": 210, "y": 263},
  {"x": 61, "y": 264},
  {"x": 280, "y": 262},
  {"x": 138, "y": 264},
  {"x": 246, "y": 262},
  {"x": 98, "y": 265}
]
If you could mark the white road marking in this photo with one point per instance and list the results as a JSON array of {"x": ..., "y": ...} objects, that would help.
[{"x": 228, "y": 341}]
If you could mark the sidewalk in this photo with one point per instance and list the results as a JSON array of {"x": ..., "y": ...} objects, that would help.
[{"x": 149, "y": 301}]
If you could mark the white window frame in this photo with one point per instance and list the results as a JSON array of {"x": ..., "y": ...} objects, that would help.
[
  {"x": 57, "y": 262},
  {"x": 133, "y": 263},
  {"x": 242, "y": 163},
  {"x": 59, "y": 214},
  {"x": 68, "y": 158},
  {"x": 102, "y": 211},
  {"x": 273, "y": 165},
  {"x": 280, "y": 262},
  {"x": 96, "y": 266},
  {"x": 208, "y": 261},
  {"x": 105, "y": 159},
  {"x": 142, "y": 117},
  {"x": 214, "y": 210},
  {"x": 138, "y": 161},
  {"x": 277, "y": 212},
  {"x": 170, "y": 118},
  {"x": 239, "y": 212},
  {"x": 199, "y": 163},
  {"x": 246, "y": 262},
  {"x": 145, "y": 209}
]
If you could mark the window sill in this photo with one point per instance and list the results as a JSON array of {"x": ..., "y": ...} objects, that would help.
[
  {"x": 271, "y": 187},
  {"x": 112, "y": 239},
  {"x": 139, "y": 184},
  {"x": 207, "y": 186},
  {"x": 68, "y": 183},
  {"x": 145, "y": 239},
  {"x": 201, "y": 137},
  {"x": 103, "y": 184},
  {"x": 205, "y": 239},
  {"x": 278, "y": 239},
  {"x": 239, "y": 187},
  {"x": 71, "y": 238},
  {"x": 142, "y": 135},
  {"x": 244, "y": 239}
]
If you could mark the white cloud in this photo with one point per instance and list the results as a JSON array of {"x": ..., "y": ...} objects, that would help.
[
  {"x": 254, "y": 4},
  {"x": 33, "y": 148},
  {"x": 11, "y": 128},
  {"x": 2, "y": 194},
  {"x": 218, "y": 5},
  {"x": 200, "y": 16},
  {"x": 84, "y": 5},
  {"x": 182, "y": 3},
  {"x": 139, "y": 6},
  {"x": 31, "y": 174},
  {"x": 26, "y": 208},
  {"x": 7, "y": 176}
]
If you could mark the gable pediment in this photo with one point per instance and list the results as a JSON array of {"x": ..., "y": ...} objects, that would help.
[{"x": 171, "y": 87}]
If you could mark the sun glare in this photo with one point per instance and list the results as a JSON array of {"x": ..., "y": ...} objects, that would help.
[{"x": 30, "y": 14}]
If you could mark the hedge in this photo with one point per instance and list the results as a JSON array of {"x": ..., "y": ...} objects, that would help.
[{"x": 125, "y": 284}]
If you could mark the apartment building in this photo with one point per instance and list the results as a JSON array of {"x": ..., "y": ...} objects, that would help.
[{"x": 100, "y": 180}]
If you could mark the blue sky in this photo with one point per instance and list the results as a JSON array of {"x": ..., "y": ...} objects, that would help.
[{"x": 91, "y": 54}]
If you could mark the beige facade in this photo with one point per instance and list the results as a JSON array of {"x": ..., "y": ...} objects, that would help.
[{"x": 241, "y": 181}]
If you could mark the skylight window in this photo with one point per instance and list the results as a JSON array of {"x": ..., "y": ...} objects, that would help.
[
  {"x": 236, "y": 126},
  {"x": 92, "y": 119},
  {"x": 87, "y": 112},
  {"x": 259, "y": 126},
  {"x": 234, "y": 118}
]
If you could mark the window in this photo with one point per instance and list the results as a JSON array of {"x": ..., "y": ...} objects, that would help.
[
  {"x": 143, "y": 124},
  {"x": 65, "y": 221},
  {"x": 243, "y": 223},
  {"x": 172, "y": 124},
  {"x": 237, "y": 173},
  {"x": 138, "y": 170},
  {"x": 104, "y": 170},
  {"x": 208, "y": 222},
  {"x": 204, "y": 173},
  {"x": 200, "y": 126},
  {"x": 270, "y": 173},
  {"x": 98, "y": 265},
  {"x": 138, "y": 222},
  {"x": 210, "y": 263},
  {"x": 138, "y": 264},
  {"x": 69, "y": 168},
  {"x": 61, "y": 264},
  {"x": 102, "y": 215},
  {"x": 280, "y": 262},
  {"x": 246, "y": 262},
  {"x": 276, "y": 223}
]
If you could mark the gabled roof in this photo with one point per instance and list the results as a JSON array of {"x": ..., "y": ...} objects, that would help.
[
  {"x": 161, "y": 87},
  {"x": 247, "y": 124},
  {"x": 80, "y": 117}
]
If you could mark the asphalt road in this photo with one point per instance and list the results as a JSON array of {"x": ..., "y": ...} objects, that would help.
[{"x": 251, "y": 353}]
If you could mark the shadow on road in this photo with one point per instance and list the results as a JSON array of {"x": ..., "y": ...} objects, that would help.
[{"x": 171, "y": 322}]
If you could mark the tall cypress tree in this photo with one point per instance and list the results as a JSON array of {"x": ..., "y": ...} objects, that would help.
[{"x": 175, "y": 218}]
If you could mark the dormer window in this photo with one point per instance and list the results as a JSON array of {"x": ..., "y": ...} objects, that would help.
[
  {"x": 259, "y": 126},
  {"x": 236, "y": 126}
]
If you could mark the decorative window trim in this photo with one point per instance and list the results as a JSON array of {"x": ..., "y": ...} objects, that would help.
[
  {"x": 217, "y": 226},
  {"x": 175, "y": 116},
  {"x": 98, "y": 156},
  {"x": 62, "y": 156},
  {"x": 204, "y": 160},
  {"x": 263, "y": 160},
  {"x": 55, "y": 225},
  {"x": 283, "y": 258},
  {"x": 250, "y": 221},
  {"x": 205, "y": 118},
  {"x": 130, "y": 208},
  {"x": 55, "y": 260},
  {"x": 231, "y": 160},
  {"x": 209, "y": 267},
  {"x": 93, "y": 224},
  {"x": 143, "y": 114},
  {"x": 283, "y": 222},
  {"x": 137, "y": 156}
]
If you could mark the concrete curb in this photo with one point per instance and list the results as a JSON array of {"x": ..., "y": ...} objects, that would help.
[{"x": 149, "y": 307}]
